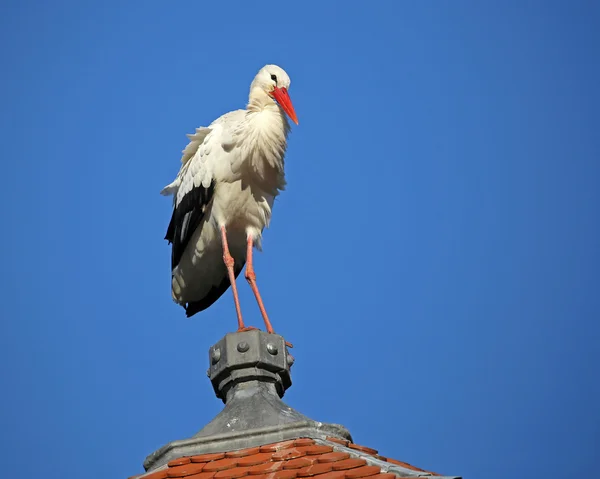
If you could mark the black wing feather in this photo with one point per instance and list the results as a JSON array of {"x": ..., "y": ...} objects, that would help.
[{"x": 187, "y": 217}]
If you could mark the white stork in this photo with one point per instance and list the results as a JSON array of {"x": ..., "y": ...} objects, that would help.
[{"x": 231, "y": 173}]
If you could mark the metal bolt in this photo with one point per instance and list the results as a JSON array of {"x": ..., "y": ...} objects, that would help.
[
  {"x": 208, "y": 372},
  {"x": 272, "y": 348},
  {"x": 290, "y": 360},
  {"x": 243, "y": 347},
  {"x": 216, "y": 355}
]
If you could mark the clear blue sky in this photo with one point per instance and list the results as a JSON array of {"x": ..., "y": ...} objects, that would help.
[{"x": 434, "y": 260}]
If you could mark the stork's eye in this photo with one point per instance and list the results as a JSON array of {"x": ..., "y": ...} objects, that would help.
[{"x": 274, "y": 78}]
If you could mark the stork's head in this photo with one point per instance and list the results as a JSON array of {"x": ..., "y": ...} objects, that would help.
[{"x": 274, "y": 81}]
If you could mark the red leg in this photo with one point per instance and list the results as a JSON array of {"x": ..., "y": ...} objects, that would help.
[
  {"x": 229, "y": 261},
  {"x": 251, "y": 277}
]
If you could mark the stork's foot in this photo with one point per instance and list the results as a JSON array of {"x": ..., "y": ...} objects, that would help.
[
  {"x": 247, "y": 328},
  {"x": 252, "y": 328}
]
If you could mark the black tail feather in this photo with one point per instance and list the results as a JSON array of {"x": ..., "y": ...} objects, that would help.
[{"x": 215, "y": 293}]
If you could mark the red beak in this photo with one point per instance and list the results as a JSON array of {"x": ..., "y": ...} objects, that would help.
[{"x": 282, "y": 97}]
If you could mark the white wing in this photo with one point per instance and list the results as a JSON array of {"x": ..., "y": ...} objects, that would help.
[
  {"x": 212, "y": 156},
  {"x": 212, "y": 153}
]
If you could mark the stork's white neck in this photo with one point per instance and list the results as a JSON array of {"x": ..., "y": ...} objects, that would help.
[
  {"x": 260, "y": 100},
  {"x": 266, "y": 115},
  {"x": 267, "y": 130}
]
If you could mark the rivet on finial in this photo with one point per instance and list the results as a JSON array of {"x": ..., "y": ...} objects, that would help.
[
  {"x": 243, "y": 347},
  {"x": 272, "y": 348},
  {"x": 216, "y": 355}
]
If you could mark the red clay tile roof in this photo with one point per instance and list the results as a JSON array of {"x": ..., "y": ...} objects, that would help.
[{"x": 293, "y": 459}]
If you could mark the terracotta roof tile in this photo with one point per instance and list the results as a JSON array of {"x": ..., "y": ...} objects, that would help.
[
  {"x": 202, "y": 475},
  {"x": 233, "y": 473},
  {"x": 314, "y": 450},
  {"x": 333, "y": 475},
  {"x": 368, "y": 450},
  {"x": 243, "y": 452},
  {"x": 255, "y": 459},
  {"x": 405, "y": 464},
  {"x": 294, "y": 459},
  {"x": 300, "y": 462},
  {"x": 290, "y": 474},
  {"x": 333, "y": 457},
  {"x": 220, "y": 464},
  {"x": 208, "y": 457},
  {"x": 287, "y": 454},
  {"x": 266, "y": 468},
  {"x": 364, "y": 471},
  {"x": 348, "y": 464},
  {"x": 162, "y": 474},
  {"x": 278, "y": 446},
  {"x": 315, "y": 469},
  {"x": 343, "y": 442},
  {"x": 184, "y": 470},
  {"x": 304, "y": 442}
]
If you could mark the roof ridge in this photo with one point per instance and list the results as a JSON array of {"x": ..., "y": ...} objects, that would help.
[
  {"x": 381, "y": 462},
  {"x": 232, "y": 441},
  {"x": 301, "y": 458}
]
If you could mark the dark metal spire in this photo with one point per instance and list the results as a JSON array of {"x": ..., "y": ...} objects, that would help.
[{"x": 250, "y": 372}]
